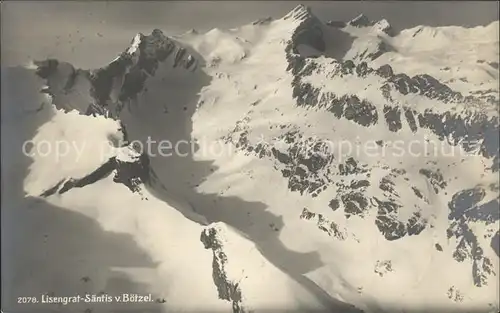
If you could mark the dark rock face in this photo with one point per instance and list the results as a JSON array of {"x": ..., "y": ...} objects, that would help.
[
  {"x": 325, "y": 225},
  {"x": 347, "y": 67},
  {"x": 465, "y": 207},
  {"x": 311, "y": 36},
  {"x": 424, "y": 85},
  {"x": 102, "y": 79},
  {"x": 227, "y": 290},
  {"x": 334, "y": 204},
  {"x": 362, "y": 69},
  {"x": 350, "y": 107},
  {"x": 70, "y": 83},
  {"x": 354, "y": 200},
  {"x": 410, "y": 118},
  {"x": 416, "y": 224},
  {"x": 471, "y": 130},
  {"x": 354, "y": 109},
  {"x": 417, "y": 192},
  {"x": 304, "y": 162},
  {"x": 130, "y": 174},
  {"x": 387, "y": 220},
  {"x": 353, "y": 196},
  {"x": 308, "y": 32},
  {"x": 463, "y": 129},
  {"x": 154, "y": 49},
  {"x": 354, "y": 204},
  {"x": 46, "y": 68},
  {"x": 350, "y": 166},
  {"x": 311, "y": 169},
  {"x": 127, "y": 73},
  {"x": 393, "y": 118},
  {"x": 435, "y": 178},
  {"x": 385, "y": 71},
  {"x": 438, "y": 247},
  {"x": 468, "y": 248}
]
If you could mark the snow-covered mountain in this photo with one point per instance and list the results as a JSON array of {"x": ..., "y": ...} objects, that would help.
[{"x": 273, "y": 203}]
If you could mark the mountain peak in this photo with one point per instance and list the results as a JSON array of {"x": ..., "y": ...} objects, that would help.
[
  {"x": 149, "y": 50},
  {"x": 383, "y": 26},
  {"x": 307, "y": 29},
  {"x": 134, "y": 43},
  {"x": 300, "y": 12}
]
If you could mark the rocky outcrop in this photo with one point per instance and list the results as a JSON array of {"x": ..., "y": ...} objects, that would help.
[
  {"x": 310, "y": 168},
  {"x": 308, "y": 31},
  {"x": 468, "y": 206},
  {"x": 383, "y": 26},
  {"x": 226, "y": 289},
  {"x": 46, "y": 68},
  {"x": 132, "y": 173},
  {"x": 304, "y": 162},
  {"x": 127, "y": 73},
  {"x": 324, "y": 224},
  {"x": 458, "y": 128}
]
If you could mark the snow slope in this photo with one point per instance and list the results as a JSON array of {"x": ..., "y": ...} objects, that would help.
[{"x": 263, "y": 209}]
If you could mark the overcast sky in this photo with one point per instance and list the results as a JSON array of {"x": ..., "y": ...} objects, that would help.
[{"x": 77, "y": 31}]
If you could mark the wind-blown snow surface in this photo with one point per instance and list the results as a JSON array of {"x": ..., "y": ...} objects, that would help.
[{"x": 266, "y": 225}]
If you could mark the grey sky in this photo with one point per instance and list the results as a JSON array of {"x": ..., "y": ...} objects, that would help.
[{"x": 76, "y": 31}]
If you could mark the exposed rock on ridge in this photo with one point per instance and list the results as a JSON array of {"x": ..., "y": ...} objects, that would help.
[{"x": 227, "y": 289}]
